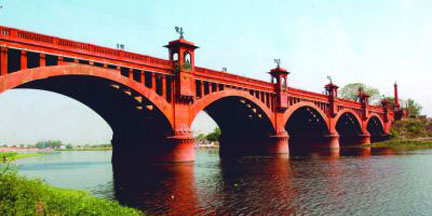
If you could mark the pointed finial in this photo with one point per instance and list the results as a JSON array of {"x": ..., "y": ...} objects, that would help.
[
  {"x": 277, "y": 61},
  {"x": 329, "y": 78},
  {"x": 180, "y": 31}
]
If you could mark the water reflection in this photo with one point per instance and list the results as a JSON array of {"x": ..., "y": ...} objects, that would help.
[
  {"x": 267, "y": 185},
  {"x": 167, "y": 189},
  {"x": 350, "y": 181}
]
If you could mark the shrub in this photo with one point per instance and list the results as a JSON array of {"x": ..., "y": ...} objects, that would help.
[{"x": 22, "y": 196}]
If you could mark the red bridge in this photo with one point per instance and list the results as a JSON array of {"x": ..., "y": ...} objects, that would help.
[{"x": 150, "y": 103}]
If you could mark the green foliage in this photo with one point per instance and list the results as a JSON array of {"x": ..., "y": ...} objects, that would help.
[
  {"x": 200, "y": 137},
  {"x": 413, "y": 108},
  {"x": 350, "y": 91},
  {"x": 11, "y": 156},
  {"x": 187, "y": 65},
  {"x": 49, "y": 144},
  {"x": 22, "y": 196},
  {"x": 412, "y": 128},
  {"x": 214, "y": 136},
  {"x": 69, "y": 146},
  {"x": 404, "y": 145}
]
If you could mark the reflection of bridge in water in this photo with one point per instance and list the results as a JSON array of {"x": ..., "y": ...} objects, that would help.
[
  {"x": 150, "y": 103},
  {"x": 315, "y": 183}
]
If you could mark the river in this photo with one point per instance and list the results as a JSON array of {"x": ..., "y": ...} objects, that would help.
[{"x": 350, "y": 182}]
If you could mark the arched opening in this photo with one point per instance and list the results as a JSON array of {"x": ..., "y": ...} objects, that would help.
[
  {"x": 307, "y": 130},
  {"x": 376, "y": 129},
  {"x": 284, "y": 83},
  {"x": 187, "y": 60},
  {"x": 349, "y": 129},
  {"x": 175, "y": 56},
  {"x": 245, "y": 128},
  {"x": 140, "y": 129},
  {"x": 30, "y": 116}
]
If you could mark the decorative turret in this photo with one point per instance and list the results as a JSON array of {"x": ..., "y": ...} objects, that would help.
[
  {"x": 332, "y": 93},
  {"x": 364, "y": 100},
  {"x": 386, "y": 106},
  {"x": 181, "y": 52},
  {"x": 279, "y": 76}
]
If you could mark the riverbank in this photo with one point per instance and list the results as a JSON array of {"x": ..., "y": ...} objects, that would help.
[
  {"x": 405, "y": 144},
  {"x": 22, "y": 196},
  {"x": 86, "y": 149},
  {"x": 11, "y": 156}
]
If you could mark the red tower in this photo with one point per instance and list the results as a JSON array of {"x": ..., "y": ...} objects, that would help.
[
  {"x": 181, "y": 52},
  {"x": 396, "y": 97},
  {"x": 331, "y": 91},
  {"x": 279, "y": 76}
]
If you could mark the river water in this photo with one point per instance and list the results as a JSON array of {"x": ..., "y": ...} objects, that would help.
[{"x": 350, "y": 182}]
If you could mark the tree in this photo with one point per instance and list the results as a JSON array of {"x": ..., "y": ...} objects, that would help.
[
  {"x": 48, "y": 144},
  {"x": 200, "y": 137},
  {"x": 214, "y": 136},
  {"x": 350, "y": 91},
  {"x": 69, "y": 146},
  {"x": 412, "y": 107}
]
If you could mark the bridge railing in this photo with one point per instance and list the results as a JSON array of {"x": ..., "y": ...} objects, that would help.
[
  {"x": 307, "y": 94},
  {"x": 233, "y": 79},
  {"x": 31, "y": 38}
]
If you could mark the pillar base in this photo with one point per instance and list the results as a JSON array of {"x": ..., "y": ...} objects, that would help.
[
  {"x": 364, "y": 139},
  {"x": 180, "y": 148},
  {"x": 278, "y": 144},
  {"x": 331, "y": 141}
]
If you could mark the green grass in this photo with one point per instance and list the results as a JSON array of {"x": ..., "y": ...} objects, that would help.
[
  {"x": 23, "y": 196},
  {"x": 11, "y": 156},
  {"x": 404, "y": 144}
]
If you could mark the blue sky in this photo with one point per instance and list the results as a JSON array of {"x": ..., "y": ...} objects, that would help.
[{"x": 374, "y": 42}]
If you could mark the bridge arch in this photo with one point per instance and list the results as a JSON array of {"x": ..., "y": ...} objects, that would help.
[
  {"x": 376, "y": 127},
  {"x": 200, "y": 105},
  {"x": 138, "y": 116},
  {"x": 307, "y": 126},
  {"x": 246, "y": 123},
  {"x": 349, "y": 127},
  {"x": 299, "y": 105}
]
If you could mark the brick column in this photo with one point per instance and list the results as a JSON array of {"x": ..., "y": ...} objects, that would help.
[
  {"x": 3, "y": 60},
  {"x": 23, "y": 59}
]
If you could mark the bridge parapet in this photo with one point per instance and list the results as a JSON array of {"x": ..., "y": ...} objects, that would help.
[
  {"x": 232, "y": 79},
  {"x": 50, "y": 44}
]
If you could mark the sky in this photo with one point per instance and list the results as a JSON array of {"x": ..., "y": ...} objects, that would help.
[{"x": 374, "y": 42}]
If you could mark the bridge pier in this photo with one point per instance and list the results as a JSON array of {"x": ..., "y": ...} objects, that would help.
[
  {"x": 364, "y": 139},
  {"x": 181, "y": 148},
  {"x": 279, "y": 144},
  {"x": 331, "y": 141}
]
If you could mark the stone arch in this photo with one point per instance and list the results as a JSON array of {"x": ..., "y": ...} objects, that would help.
[
  {"x": 211, "y": 98},
  {"x": 344, "y": 111},
  {"x": 375, "y": 127},
  {"x": 307, "y": 126},
  {"x": 299, "y": 105},
  {"x": 381, "y": 121},
  {"x": 349, "y": 127},
  {"x": 140, "y": 119},
  {"x": 18, "y": 78},
  {"x": 245, "y": 122}
]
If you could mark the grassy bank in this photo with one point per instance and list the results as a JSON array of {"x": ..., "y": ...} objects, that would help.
[
  {"x": 404, "y": 144},
  {"x": 23, "y": 196},
  {"x": 11, "y": 156},
  {"x": 409, "y": 134}
]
